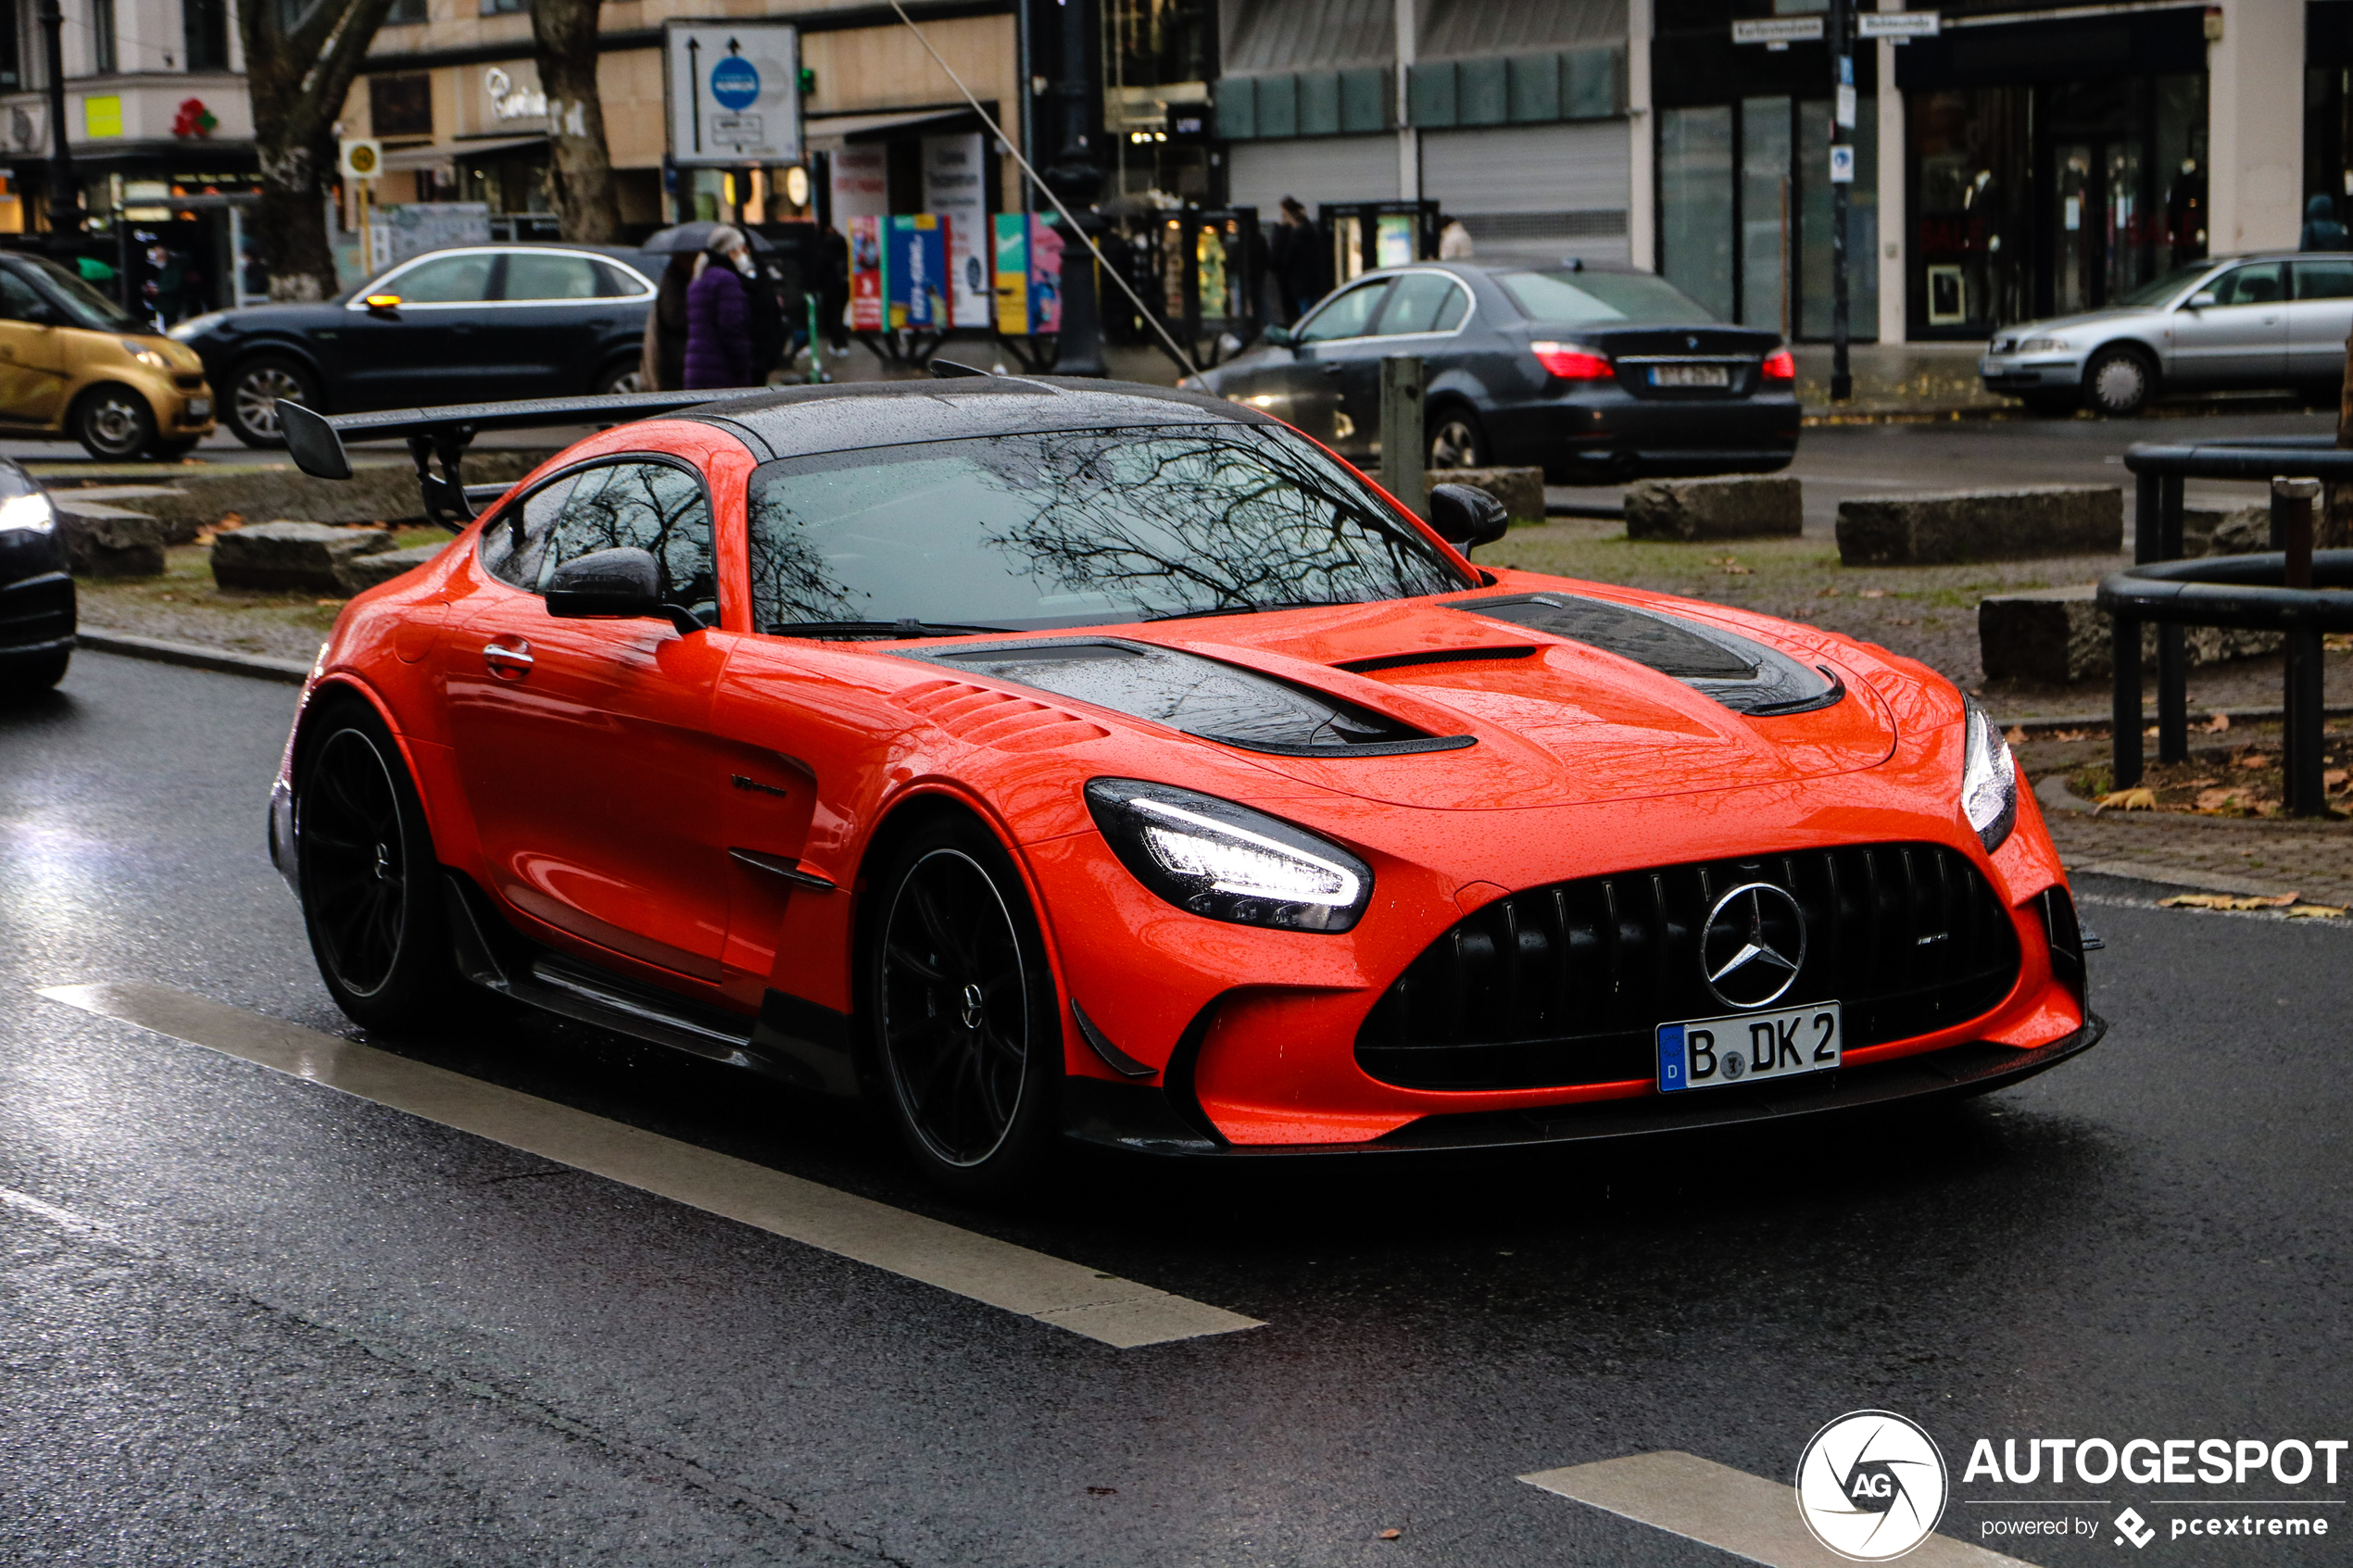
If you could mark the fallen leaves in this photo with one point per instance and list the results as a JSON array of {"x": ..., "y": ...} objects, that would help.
[
  {"x": 2142, "y": 799},
  {"x": 1730, "y": 566},
  {"x": 2289, "y": 904},
  {"x": 2017, "y": 737},
  {"x": 2216, "y": 725},
  {"x": 1873, "y": 594},
  {"x": 1391, "y": 1535},
  {"x": 2222, "y": 799}
]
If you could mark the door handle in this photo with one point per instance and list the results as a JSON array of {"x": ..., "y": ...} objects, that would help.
[
  {"x": 1331, "y": 370},
  {"x": 508, "y": 658}
]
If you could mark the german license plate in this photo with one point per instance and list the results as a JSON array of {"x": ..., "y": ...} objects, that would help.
[
  {"x": 200, "y": 408},
  {"x": 1690, "y": 375},
  {"x": 1707, "y": 1053}
]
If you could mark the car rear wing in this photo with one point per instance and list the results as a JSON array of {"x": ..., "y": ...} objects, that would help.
[{"x": 316, "y": 440}]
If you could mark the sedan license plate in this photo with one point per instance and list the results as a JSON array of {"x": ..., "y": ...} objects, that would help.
[
  {"x": 200, "y": 408},
  {"x": 1690, "y": 375},
  {"x": 1707, "y": 1053}
]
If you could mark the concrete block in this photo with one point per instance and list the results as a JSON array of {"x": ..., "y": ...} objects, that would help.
[
  {"x": 1520, "y": 490},
  {"x": 1973, "y": 526},
  {"x": 103, "y": 541},
  {"x": 361, "y": 573},
  {"x": 1696, "y": 509},
  {"x": 2246, "y": 531},
  {"x": 292, "y": 556},
  {"x": 2058, "y": 637},
  {"x": 376, "y": 492}
]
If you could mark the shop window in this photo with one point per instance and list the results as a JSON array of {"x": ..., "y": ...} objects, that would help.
[
  {"x": 103, "y": 55},
  {"x": 203, "y": 26},
  {"x": 505, "y": 8},
  {"x": 1695, "y": 204},
  {"x": 400, "y": 105},
  {"x": 11, "y": 48},
  {"x": 406, "y": 13}
]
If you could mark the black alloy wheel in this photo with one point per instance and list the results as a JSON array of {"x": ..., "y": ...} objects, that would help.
[
  {"x": 371, "y": 888},
  {"x": 252, "y": 403},
  {"x": 1455, "y": 441},
  {"x": 113, "y": 423},
  {"x": 2119, "y": 382},
  {"x": 964, "y": 1019}
]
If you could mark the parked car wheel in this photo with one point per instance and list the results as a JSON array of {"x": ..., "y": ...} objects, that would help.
[
  {"x": 1456, "y": 440},
  {"x": 966, "y": 1026},
  {"x": 28, "y": 678},
  {"x": 371, "y": 894},
  {"x": 621, "y": 375},
  {"x": 113, "y": 423},
  {"x": 254, "y": 390},
  {"x": 2119, "y": 382}
]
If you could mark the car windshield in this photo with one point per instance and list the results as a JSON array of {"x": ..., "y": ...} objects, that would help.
[
  {"x": 85, "y": 306},
  {"x": 2162, "y": 289},
  {"x": 1579, "y": 298},
  {"x": 1072, "y": 527}
]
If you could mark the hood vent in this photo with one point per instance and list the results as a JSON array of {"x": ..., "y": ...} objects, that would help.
[
  {"x": 1201, "y": 697},
  {"x": 1745, "y": 676}
]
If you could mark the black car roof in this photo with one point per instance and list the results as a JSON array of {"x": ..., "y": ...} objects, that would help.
[{"x": 798, "y": 421}]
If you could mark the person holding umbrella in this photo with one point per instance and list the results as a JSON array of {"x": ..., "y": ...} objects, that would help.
[
  {"x": 689, "y": 248},
  {"x": 718, "y": 315}
]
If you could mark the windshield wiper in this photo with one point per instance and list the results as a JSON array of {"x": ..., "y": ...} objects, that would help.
[
  {"x": 906, "y": 628},
  {"x": 1253, "y": 608}
]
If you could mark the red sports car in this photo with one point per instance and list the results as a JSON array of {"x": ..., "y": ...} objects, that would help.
[{"x": 1058, "y": 760}]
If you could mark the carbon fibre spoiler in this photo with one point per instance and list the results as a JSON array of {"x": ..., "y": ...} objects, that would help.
[{"x": 315, "y": 440}]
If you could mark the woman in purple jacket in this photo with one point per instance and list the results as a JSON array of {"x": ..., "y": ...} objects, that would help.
[{"x": 718, "y": 318}]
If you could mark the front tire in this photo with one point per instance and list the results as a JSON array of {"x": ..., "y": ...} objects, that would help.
[
  {"x": 623, "y": 375},
  {"x": 963, "y": 1012},
  {"x": 371, "y": 894},
  {"x": 2119, "y": 382},
  {"x": 113, "y": 423},
  {"x": 252, "y": 403},
  {"x": 1455, "y": 439},
  {"x": 23, "y": 678}
]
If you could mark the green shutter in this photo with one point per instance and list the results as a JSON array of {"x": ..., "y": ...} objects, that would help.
[
  {"x": 1535, "y": 88},
  {"x": 1319, "y": 103},
  {"x": 1363, "y": 99},
  {"x": 1237, "y": 109},
  {"x": 1278, "y": 105},
  {"x": 1430, "y": 95},
  {"x": 1483, "y": 92},
  {"x": 1590, "y": 82}
]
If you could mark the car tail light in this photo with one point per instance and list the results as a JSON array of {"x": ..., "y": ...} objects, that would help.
[
  {"x": 1780, "y": 365},
  {"x": 1570, "y": 362}
]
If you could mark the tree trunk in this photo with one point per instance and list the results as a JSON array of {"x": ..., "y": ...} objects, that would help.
[
  {"x": 580, "y": 170},
  {"x": 299, "y": 67},
  {"x": 2336, "y": 530}
]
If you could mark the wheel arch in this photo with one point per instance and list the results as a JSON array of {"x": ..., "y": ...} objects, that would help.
[
  {"x": 235, "y": 365},
  {"x": 344, "y": 686},
  {"x": 2137, "y": 348}
]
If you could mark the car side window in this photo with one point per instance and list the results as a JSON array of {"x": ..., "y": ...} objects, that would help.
[
  {"x": 616, "y": 283},
  {"x": 20, "y": 302},
  {"x": 446, "y": 280},
  {"x": 2324, "y": 280},
  {"x": 550, "y": 277},
  {"x": 514, "y": 544},
  {"x": 1350, "y": 314},
  {"x": 2257, "y": 284},
  {"x": 1422, "y": 302},
  {"x": 654, "y": 506}
]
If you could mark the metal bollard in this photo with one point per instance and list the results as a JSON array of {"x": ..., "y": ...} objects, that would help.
[
  {"x": 2172, "y": 657},
  {"x": 1403, "y": 463},
  {"x": 2300, "y": 746}
]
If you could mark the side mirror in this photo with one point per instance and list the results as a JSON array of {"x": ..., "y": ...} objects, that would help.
[
  {"x": 1467, "y": 517},
  {"x": 382, "y": 304},
  {"x": 1279, "y": 337},
  {"x": 622, "y": 584},
  {"x": 2202, "y": 300}
]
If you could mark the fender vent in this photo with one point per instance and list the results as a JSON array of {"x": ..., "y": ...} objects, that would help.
[{"x": 997, "y": 719}]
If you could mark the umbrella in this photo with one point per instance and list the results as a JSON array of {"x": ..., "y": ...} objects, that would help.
[{"x": 692, "y": 237}]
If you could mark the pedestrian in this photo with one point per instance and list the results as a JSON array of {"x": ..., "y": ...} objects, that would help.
[
  {"x": 2322, "y": 231},
  {"x": 831, "y": 288},
  {"x": 663, "y": 367},
  {"x": 1453, "y": 240},
  {"x": 1302, "y": 265},
  {"x": 718, "y": 315}
]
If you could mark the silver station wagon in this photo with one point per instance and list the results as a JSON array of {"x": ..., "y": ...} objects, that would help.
[{"x": 2260, "y": 322}]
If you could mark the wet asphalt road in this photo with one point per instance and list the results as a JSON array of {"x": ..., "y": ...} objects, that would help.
[{"x": 299, "y": 1327}]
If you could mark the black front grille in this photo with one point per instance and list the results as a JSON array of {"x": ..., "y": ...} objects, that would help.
[{"x": 1564, "y": 985}]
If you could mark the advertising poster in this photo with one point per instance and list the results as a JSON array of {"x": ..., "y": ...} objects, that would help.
[
  {"x": 953, "y": 175},
  {"x": 865, "y": 274},
  {"x": 860, "y": 180},
  {"x": 1045, "y": 276},
  {"x": 915, "y": 272},
  {"x": 1011, "y": 259}
]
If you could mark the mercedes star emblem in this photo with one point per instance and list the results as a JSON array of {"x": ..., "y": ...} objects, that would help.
[{"x": 1753, "y": 946}]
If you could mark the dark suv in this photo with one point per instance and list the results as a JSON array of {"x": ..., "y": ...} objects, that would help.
[
  {"x": 470, "y": 325},
  {"x": 36, "y": 595},
  {"x": 1592, "y": 373}
]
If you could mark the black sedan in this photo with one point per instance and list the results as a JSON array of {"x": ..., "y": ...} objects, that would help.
[
  {"x": 36, "y": 594},
  {"x": 1594, "y": 374},
  {"x": 470, "y": 325}
]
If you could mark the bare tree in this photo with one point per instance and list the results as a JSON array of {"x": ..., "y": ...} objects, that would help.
[
  {"x": 301, "y": 56},
  {"x": 580, "y": 172}
]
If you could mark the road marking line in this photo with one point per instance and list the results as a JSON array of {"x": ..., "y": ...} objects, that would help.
[
  {"x": 1101, "y": 1307},
  {"x": 1731, "y": 1510}
]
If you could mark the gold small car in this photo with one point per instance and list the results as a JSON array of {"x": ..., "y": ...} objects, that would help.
[{"x": 74, "y": 363}]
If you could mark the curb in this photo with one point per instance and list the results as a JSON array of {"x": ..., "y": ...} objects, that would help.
[
  {"x": 1815, "y": 416},
  {"x": 2105, "y": 720},
  {"x": 2055, "y": 796},
  {"x": 194, "y": 656}
]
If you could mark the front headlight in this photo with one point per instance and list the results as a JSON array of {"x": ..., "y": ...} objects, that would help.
[
  {"x": 145, "y": 355},
  {"x": 1227, "y": 862},
  {"x": 2044, "y": 345},
  {"x": 196, "y": 325},
  {"x": 28, "y": 514},
  {"x": 1989, "y": 778}
]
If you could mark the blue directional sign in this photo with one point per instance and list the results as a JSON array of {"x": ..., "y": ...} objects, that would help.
[{"x": 733, "y": 82}]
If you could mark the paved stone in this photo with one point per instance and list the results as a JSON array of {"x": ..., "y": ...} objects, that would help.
[
  {"x": 1976, "y": 525},
  {"x": 306, "y": 557},
  {"x": 1705, "y": 510},
  {"x": 1520, "y": 490}
]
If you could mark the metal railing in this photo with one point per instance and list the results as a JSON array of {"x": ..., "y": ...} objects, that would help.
[{"x": 2292, "y": 589}]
